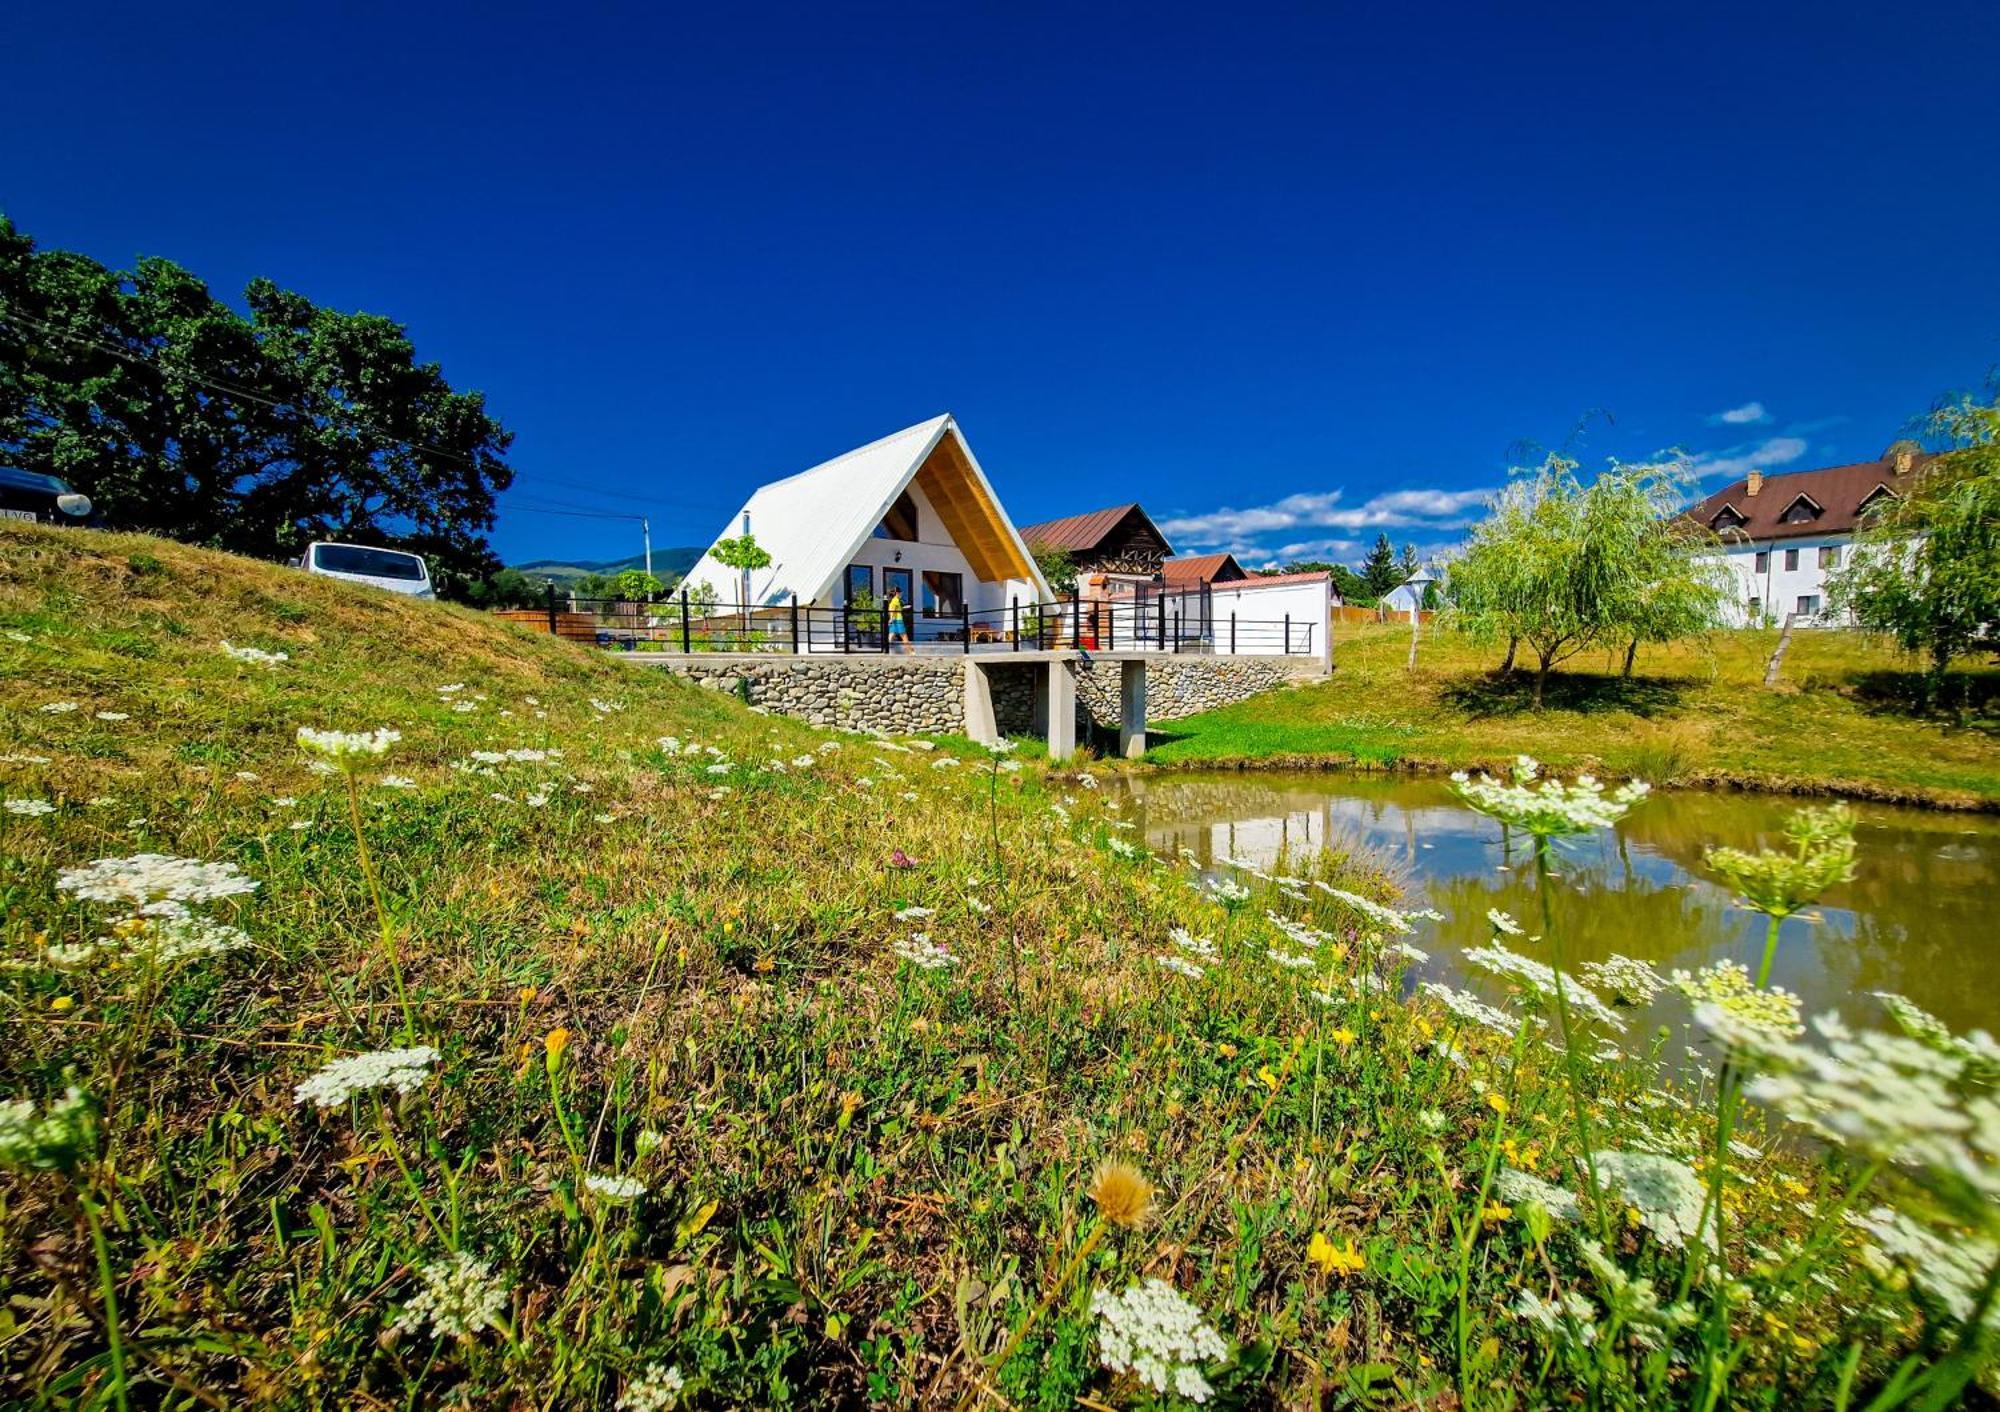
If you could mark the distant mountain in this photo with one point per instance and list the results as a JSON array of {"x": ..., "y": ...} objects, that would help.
[{"x": 667, "y": 563}]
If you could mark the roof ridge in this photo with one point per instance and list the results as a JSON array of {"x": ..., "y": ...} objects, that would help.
[{"x": 854, "y": 451}]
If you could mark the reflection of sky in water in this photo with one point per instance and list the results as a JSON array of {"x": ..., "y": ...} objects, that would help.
[{"x": 1916, "y": 919}]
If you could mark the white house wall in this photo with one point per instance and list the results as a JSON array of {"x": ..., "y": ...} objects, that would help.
[
  {"x": 932, "y": 549},
  {"x": 1778, "y": 589}
]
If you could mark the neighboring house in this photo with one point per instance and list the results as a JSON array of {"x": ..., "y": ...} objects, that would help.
[
  {"x": 1784, "y": 534},
  {"x": 1119, "y": 542},
  {"x": 912, "y": 511},
  {"x": 1186, "y": 569},
  {"x": 1407, "y": 596}
]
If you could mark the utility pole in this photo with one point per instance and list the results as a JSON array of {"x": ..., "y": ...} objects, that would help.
[{"x": 646, "y": 529}]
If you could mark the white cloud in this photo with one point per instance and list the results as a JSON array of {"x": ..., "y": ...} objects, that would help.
[
  {"x": 1237, "y": 530},
  {"x": 1749, "y": 414},
  {"x": 1742, "y": 459}
]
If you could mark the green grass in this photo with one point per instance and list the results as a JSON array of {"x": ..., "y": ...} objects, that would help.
[
  {"x": 862, "y": 1179},
  {"x": 1843, "y": 719}
]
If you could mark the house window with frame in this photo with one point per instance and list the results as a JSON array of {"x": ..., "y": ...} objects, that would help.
[
  {"x": 1808, "y": 605},
  {"x": 860, "y": 584},
  {"x": 944, "y": 594},
  {"x": 901, "y": 521},
  {"x": 1791, "y": 560},
  {"x": 1829, "y": 556},
  {"x": 1763, "y": 561}
]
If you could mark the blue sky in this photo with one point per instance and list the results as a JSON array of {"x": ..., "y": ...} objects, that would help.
[{"x": 1286, "y": 276}]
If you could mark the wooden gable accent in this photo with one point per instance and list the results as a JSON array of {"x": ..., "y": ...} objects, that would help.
[{"x": 970, "y": 516}]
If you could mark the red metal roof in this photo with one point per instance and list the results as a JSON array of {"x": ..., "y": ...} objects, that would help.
[
  {"x": 1202, "y": 568},
  {"x": 1078, "y": 533},
  {"x": 1269, "y": 580},
  {"x": 1839, "y": 491}
]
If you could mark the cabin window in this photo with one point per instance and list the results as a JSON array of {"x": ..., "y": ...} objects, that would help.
[
  {"x": 1801, "y": 511},
  {"x": 944, "y": 594},
  {"x": 901, "y": 521},
  {"x": 1763, "y": 561},
  {"x": 860, "y": 585},
  {"x": 1726, "y": 518},
  {"x": 1791, "y": 560},
  {"x": 1829, "y": 556}
]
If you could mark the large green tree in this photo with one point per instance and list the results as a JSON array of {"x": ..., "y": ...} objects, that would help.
[
  {"x": 1380, "y": 568},
  {"x": 1560, "y": 565},
  {"x": 1926, "y": 567},
  {"x": 257, "y": 430}
]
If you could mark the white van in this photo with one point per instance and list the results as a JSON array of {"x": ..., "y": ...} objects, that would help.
[{"x": 392, "y": 569}]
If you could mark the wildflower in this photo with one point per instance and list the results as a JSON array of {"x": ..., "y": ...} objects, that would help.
[
  {"x": 59, "y": 708},
  {"x": 658, "y": 1389},
  {"x": 1666, "y": 1194},
  {"x": 1569, "y": 1309},
  {"x": 1432, "y": 1120},
  {"x": 1180, "y": 967},
  {"x": 1343, "y": 1037},
  {"x": 1153, "y": 1333},
  {"x": 1731, "y": 1007},
  {"x": 1540, "y": 979},
  {"x": 1470, "y": 1008},
  {"x": 1630, "y": 982},
  {"x": 1123, "y": 1196},
  {"x": 255, "y": 655},
  {"x": 1779, "y": 883},
  {"x": 167, "y": 940},
  {"x": 347, "y": 749},
  {"x": 1289, "y": 961},
  {"x": 1503, "y": 923},
  {"x": 615, "y": 1188},
  {"x": 925, "y": 954},
  {"x": 53, "y": 1142},
  {"x": 1228, "y": 892},
  {"x": 898, "y": 858},
  {"x": 1387, "y": 919},
  {"x": 29, "y": 808},
  {"x": 1497, "y": 1101},
  {"x": 1495, "y": 1212},
  {"x": 1332, "y": 1259},
  {"x": 1551, "y": 808},
  {"x": 1524, "y": 1188},
  {"x": 460, "y": 1296},
  {"x": 648, "y": 1141},
  {"x": 398, "y": 782},
  {"x": 912, "y": 914},
  {"x": 145, "y": 880},
  {"x": 1194, "y": 945},
  {"x": 554, "y": 1044},
  {"x": 113, "y": 716},
  {"x": 1124, "y": 848},
  {"x": 404, "y": 1070},
  {"x": 20, "y": 759}
]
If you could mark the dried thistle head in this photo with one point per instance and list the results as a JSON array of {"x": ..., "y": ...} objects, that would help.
[{"x": 1123, "y": 1197}]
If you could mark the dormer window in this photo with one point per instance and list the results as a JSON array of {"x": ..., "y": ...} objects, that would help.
[
  {"x": 1727, "y": 519},
  {"x": 1801, "y": 511},
  {"x": 1874, "y": 499}
]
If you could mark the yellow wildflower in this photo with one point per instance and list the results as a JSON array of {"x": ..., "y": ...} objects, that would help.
[
  {"x": 1345, "y": 1259},
  {"x": 1497, "y": 1101},
  {"x": 1123, "y": 1196},
  {"x": 554, "y": 1045},
  {"x": 1495, "y": 1213},
  {"x": 1267, "y": 1078},
  {"x": 1343, "y": 1036}
]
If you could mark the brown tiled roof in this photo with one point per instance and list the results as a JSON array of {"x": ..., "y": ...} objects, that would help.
[
  {"x": 1078, "y": 533},
  {"x": 1202, "y": 568},
  {"x": 1838, "y": 491}
]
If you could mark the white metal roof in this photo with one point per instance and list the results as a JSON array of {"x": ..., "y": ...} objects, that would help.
[{"x": 812, "y": 523}]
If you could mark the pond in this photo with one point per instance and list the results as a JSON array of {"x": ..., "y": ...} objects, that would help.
[{"x": 1922, "y": 916}]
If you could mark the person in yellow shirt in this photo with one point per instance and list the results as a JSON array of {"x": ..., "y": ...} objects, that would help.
[{"x": 898, "y": 625}]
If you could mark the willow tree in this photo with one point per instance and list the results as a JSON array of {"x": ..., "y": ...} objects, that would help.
[
  {"x": 1560, "y": 566},
  {"x": 1926, "y": 567}
]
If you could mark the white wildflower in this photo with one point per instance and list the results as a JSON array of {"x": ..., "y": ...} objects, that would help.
[
  {"x": 1151, "y": 1332},
  {"x": 1503, "y": 923},
  {"x": 1181, "y": 967},
  {"x": 59, "y": 708},
  {"x": 460, "y": 1296},
  {"x": 1194, "y": 945},
  {"x": 113, "y": 716},
  {"x": 148, "y": 878},
  {"x": 1386, "y": 919},
  {"x": 1533, "y": 976},
  {"x": 1228, "y": 893},
  {"x": 615, "y": 1188},
  {"x": 1472, "y": 1009},
  {"x": 398, "y": 782},
  {"x": 346, "y": 749},
  {"x": 1729, "y": 1005},
  {"x": 913, "y": 914},
  {"x": 1557, "y": 1318},
  {"x": 1666, "y": 1193},
  {"x": 1518, "y": 1188},
  {"x": 1125, "y": 848},
  {"x": 28, "y": 808},
  {"x": 20, "y": 759},
  {"x": 924, "y": 953},
  {"x": 255, "y": 655},
  {"x": 1629, "y": 981},
  {"x": 658, "y": 1389},
  {"x": 1549, "y": 808},
  {"x": 404, "y": 1070}
]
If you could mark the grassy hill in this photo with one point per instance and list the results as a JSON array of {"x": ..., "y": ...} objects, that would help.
[
  {"x": 1843, "y": 719},
  {"x": 654, "y": 1051},
  {"x": 674, "y": 561}
]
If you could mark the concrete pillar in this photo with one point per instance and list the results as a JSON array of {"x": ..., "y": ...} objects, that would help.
[
  {"x": 1132, "y": 707},
  {"x": 979, "y": 721},
  {"x": 1038, "y": 714},
  {"x": 1062, "y": 710}
]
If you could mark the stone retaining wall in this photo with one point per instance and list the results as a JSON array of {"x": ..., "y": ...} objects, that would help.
[
  {"x": 926, "y": 695},
  {"x": 917, "y": 696}
]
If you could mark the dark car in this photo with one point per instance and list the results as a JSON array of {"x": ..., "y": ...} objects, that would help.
[{"x": 28, "y": 495}]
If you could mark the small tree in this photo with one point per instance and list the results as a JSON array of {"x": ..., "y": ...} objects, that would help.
[
  {"x": 634, "y": 584},
  {"x": 745, "y": 555},
  {"x": 1926, "y": 567},
  {"x": 1379, "y": 568},
  {"x": 1058, "y": 568}
]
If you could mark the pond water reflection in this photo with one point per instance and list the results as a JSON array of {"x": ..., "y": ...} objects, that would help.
[{"x": 1919, "y": 917}]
